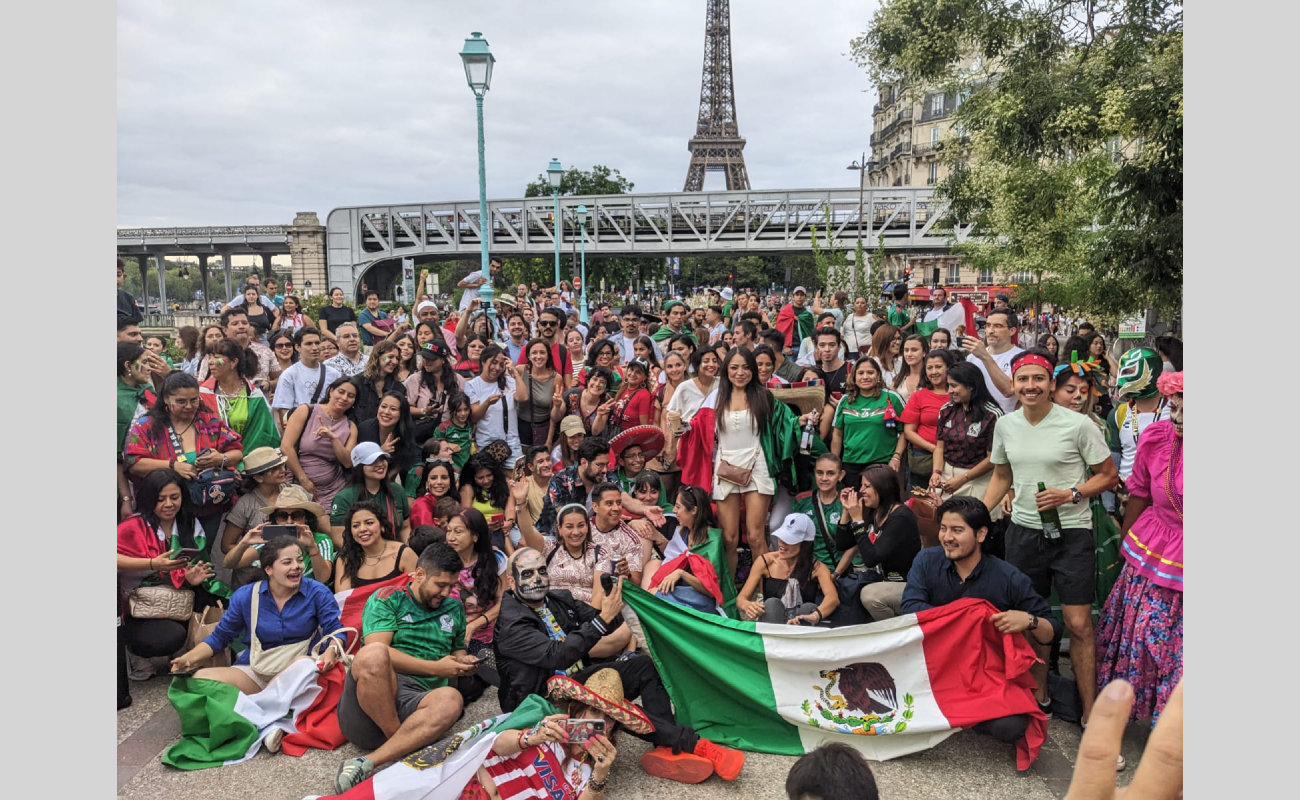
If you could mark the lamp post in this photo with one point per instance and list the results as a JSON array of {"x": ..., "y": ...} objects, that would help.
[
  {"x": 861, "y": 167},
  {"x": 554, "y": 172},
  {"x": 582, "y": 226},
  {"x": 478, "y": 61}
]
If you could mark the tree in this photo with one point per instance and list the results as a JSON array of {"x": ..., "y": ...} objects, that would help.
[
  {"x": 600, "y": 179},
  {"x": 1075, "y": 160}
]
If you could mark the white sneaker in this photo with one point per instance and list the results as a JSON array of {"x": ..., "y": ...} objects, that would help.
[
  {"x": 272, "y": 740},
  {"x": 138, "y": 668}
]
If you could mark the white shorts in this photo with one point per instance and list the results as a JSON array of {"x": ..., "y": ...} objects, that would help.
[{"x": 247, "y": 670}]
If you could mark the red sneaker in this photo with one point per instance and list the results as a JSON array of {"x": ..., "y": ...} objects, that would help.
[
  {"x": 682, "y": 767},
  {"x": 726, "y": 761}
]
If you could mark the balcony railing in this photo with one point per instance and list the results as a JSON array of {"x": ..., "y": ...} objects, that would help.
[
  {"x": 904, "y": 146},
  {"x": 904, "y": 118}
]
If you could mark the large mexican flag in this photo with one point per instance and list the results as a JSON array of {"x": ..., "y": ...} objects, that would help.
[{"x": 888, "y": 689}]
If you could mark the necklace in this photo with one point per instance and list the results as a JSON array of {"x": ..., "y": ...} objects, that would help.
[
  {"x": 1174, "y": 452},
  {"x": 377, "y": 558}
]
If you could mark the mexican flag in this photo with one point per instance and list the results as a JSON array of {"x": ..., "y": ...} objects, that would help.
[
  {"x": 221, "y": 725},
  {"x": 441, "y": 771},
  {"x": 958, "y": 318},
  {"x": 888, "y": 689}
]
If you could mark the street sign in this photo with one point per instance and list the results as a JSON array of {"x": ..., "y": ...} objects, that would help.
[
  {"x": 677, "y": 266},
  {"x": 1133, "y": 328},
  {"x": 577, "y": 283}
]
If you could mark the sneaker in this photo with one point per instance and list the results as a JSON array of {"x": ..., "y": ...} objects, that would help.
[
  {"x": 272, "y": 740},
  {"x": 661, "y": 762},
  {"x": 138, "y": 668},
  {"x": 1046, "y": 708},
  {"x": 726, "y": 761},
  {"x": 351, "y": 772}
]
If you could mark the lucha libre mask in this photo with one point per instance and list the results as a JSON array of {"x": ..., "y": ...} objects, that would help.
[{"x": 1138, "y": 370}]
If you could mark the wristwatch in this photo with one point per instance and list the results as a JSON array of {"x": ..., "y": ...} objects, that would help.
[
  {"x": 1033, "y": 622},
  {"x": 1078, "y": 495}
]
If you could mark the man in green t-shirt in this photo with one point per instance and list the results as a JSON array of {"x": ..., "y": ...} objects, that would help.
[
  {"x": 1043, "y": 443},
  {"x": 675, "y": 322},
  {"x": 398, "y": 697},
  {"x": 898, "y": 314}
]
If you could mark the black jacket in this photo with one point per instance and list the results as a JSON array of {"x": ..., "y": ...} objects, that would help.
[
  {"x": 127, "y": 308},
  {"x": 526, "y": 655},
  {"x": 894, "y": 549}
]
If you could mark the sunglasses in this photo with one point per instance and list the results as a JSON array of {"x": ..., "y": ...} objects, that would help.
[
  {"x": 296, "y": 515},
  {"x": 287, "y": 345},
  {"x": 545, "y": 324}
]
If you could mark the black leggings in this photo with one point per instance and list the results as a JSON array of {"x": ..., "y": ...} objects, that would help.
[{"x": 1005, "y": 729}]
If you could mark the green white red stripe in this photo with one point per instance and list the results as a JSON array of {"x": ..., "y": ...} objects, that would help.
[{"x": 888, "y": 689}]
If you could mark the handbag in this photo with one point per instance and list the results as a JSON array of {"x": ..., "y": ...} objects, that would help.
[
  {"x": 927, "y": 523},
  {"x": 212, "y": 488},
  {"x": 160, "y": 602},
  {"x": 201, "y": 625},
  {"x": 919, "y": 461},
  {"x": 733, "y": 474}
]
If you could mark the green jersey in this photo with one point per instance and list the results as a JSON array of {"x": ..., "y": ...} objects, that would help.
[
  {"x": 459, "y": 435},
  {"x": 867, "y": 438},
  {"x": 397, "y": 509},
  {"x": 898, "y": 316},
  {"x": 424, "y": 633}
]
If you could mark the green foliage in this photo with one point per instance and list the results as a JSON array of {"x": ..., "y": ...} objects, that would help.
[
  {"x": 600, "y": 179},
  {"x": 1042, "y": 178},
  {"x": 312, "y": 305},
  {"x": 834, "y": 274}
]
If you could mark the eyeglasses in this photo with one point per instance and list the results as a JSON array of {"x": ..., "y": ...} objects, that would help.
[
  {"x": 185, "y": 403},
  {"x": 295, "y": 515}
]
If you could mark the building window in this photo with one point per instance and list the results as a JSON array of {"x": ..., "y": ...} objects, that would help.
[
  {"x": 986, "y": 276},
  {"x": 934, "y": 173},
  {"x": 1114, "y": 148},
  {"x": 936, "y": 104},
  {"x": 954, "y": 273},
  {"x": 934, "y": 135}
]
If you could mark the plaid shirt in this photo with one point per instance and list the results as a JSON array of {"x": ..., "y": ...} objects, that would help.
[{"x": 144, "y": 441}]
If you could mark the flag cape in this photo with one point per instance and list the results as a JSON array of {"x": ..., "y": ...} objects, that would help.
[
  {"x": 353, "y": 601},
  {"x": 222, "y": 725},
  {"x": 441, "y": 771},
  {"x": 957, "y": 318},
  {"x": 887, "y": 689}
]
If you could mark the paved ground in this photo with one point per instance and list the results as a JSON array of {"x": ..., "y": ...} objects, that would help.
[{"x": 966, "y": 765}]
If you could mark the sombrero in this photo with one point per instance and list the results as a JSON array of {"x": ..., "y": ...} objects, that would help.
[
  {"x": 649, "y": 437},
  {"x": 805, "y": 398},
  {"x": 603, "y": 692}
]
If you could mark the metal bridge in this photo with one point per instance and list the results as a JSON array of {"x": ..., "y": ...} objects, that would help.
[{"x": 678, "y": 223}]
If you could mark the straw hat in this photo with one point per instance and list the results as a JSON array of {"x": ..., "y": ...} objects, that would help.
[
  {"x": 262, "y": 459},
  {"x": 291, "y": 497},
  {"x": 603, "y": 692},
  {"x": 805, "y": 398}
]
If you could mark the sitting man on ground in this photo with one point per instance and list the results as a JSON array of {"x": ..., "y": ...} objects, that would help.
[
  {"x": 541, "y": 633},
  {"x": 397, "y": 697},
  {"x": 957, "y": 568}
]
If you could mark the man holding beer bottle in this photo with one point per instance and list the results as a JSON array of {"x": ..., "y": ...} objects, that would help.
[{"x": 1042, "y": 452}]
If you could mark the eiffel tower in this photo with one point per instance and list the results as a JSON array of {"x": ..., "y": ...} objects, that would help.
[{"x": 717, "y": 144}]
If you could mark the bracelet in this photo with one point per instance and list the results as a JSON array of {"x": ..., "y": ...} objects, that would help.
[
  {"x": 519, "y": 740},
  {"x": 151, "y": 569},
  {"x": 597, "y": 786}
]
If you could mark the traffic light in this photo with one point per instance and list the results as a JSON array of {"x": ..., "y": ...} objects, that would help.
[{"x": 907, "y": 276}]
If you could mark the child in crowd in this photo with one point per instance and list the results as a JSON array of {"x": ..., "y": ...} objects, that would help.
[{"x": 457, "y": 432}]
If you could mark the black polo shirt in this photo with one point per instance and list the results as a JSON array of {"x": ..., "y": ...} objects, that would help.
[{"x": 933, "y": 581}]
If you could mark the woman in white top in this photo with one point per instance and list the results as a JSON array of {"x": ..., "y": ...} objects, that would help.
[
  {"x": 743, "y": 409},
  {"x": 688, "y": 397},
  {"x": 857, "y": 327}
]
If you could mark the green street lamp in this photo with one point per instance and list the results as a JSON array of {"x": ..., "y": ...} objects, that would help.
[
  {"x": 478, "y": 61},
  {"x": 582, "y": 225},
  {"x": 555, "y": 172}
]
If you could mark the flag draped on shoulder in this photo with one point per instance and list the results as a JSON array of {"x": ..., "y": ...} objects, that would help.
[
  {"x": 696, "y": 447},
  {"x": 353, "y": 601},
  {"x": 887, "y": 689},
  {"x": 442, "y": 770}
]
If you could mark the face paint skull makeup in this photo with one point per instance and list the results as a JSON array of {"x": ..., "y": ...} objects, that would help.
[
  {"x": 1176, "y": 413},
  {"x": 528, "y": 571}
]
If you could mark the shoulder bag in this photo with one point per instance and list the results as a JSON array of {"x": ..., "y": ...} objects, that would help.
[
  {"x": 211, "y": 489},
  {"x": 269, "y": 663},
  {"x": 161, "y": 602}
]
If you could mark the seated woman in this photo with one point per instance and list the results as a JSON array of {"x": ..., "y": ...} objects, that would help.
[
  {"x": 528, "y": 493},
  {"x": 379, "y": 378},
  {"x": 439, "y": 482},
  {"x": 578, "y": 568},
  {"x": 318, "y": 439},
  {"x": 570, "y": 437},
  {"x": 294, "y": 507},
  {"x": 284, "y": 610},
  {"x": 779, "y": 581},
  {"x": 885, "y": 532},
  {"x": 147, "y": 544},
  {"x": 533, "y": 762},
  {"x": 371, "y": 552},
  {"x": 264, "y": 479},
  {"x": 393, "y": 430},
  {"x": 485, "y": 488},
  {"x": 479, "y": 589},
  {"x": 230, "y": 394},
  {"x": 694, "y": 562},
  {"x": 372, "y": 482},
  {"x": 180, "y": 434}
]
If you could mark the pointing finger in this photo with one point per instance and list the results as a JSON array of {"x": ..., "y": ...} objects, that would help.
[
  {"x": 1160, "y": 774},
  {"x": 1094, "y": 772}
]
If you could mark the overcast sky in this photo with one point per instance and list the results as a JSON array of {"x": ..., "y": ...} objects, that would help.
[{"x": 242, "y": 113}]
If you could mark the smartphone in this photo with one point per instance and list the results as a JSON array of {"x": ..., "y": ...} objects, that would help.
[
  {"x": 497, "y": 519},
  {"x": 580, "y": 730},
  {"x": 279, "y": 532},
  {"x": 607, "y": 583},
  {"x": 189, "y": 553}
]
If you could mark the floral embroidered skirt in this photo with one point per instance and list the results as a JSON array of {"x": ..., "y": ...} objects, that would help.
[{"x": 1140, "y": 639}]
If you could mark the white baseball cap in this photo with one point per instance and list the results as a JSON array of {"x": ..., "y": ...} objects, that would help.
[
  {"x": 368, "y": 453},
  {"x": 426, "y": 304},
  {"x": 799, "y": 289},
  {"x": 796, "y": 529}
]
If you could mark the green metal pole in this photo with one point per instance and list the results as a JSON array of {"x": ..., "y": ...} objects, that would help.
[
  {"x": 485, "y": 225},
  {"x": 558, "y": 227},
  {"x": 582, "y": 309}
]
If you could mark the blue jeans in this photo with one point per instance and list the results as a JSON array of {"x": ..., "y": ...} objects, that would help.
[{"x": 684, "y": 594}]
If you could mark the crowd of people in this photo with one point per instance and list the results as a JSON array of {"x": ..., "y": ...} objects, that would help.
[{"x": 805, "y": 464}]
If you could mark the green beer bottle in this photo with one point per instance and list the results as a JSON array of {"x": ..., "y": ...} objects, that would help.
[{"x": 1050, "y": 519}]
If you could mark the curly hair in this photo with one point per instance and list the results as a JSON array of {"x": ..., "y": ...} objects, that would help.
[{"x": 351, "y": 553}]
